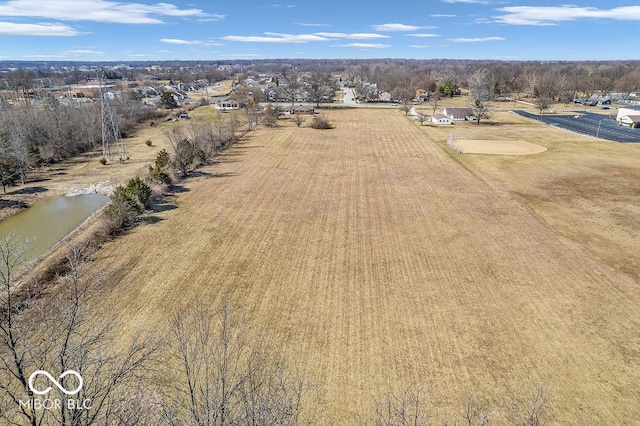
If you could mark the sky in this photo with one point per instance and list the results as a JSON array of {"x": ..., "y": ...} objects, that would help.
[{"x": 105, "y": 30}]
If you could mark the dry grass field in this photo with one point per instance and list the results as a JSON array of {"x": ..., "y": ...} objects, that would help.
[
  {"x": 373, "y": 258},
  {"x": 587, "y": 189}
]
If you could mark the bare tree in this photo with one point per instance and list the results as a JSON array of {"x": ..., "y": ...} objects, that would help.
[
  {"x": 434, "y": 101},
  {"x": 531, "y": 83},
  {"x": 481, "y": 108},
  {"x": 405, "y": 107},
  {"x": 253, "y": 114},
  {"x": 56, "y": 334},
  {"x": 530, "y": 409},
  {"x": 270, "y": 116},
  {"x": 321, "y": 87},
  {"x": 480, "y": 84},
  {"x": 14, "y": 370},
  {"x": 410, "y": 407},
  {"x": 225, "y": 375},
  {"x": 422, "y": 118},
  {"x": 184, "y": 150},
  {"x": 292, "y": 85},
  {"x": 546, "y": 91},
  {"x": 299, "y": 119},
  {"x": 476, "y": 413}
]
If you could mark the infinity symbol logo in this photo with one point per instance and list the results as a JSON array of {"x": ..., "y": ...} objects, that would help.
[{"x": 55, "y": 382}]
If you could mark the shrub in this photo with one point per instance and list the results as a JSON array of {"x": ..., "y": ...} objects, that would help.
[
  {"x": 159, "y": 175},
  {"x": 127, "y": 202},
  {"x": 298, "y": 120},
  {"x": 162, "y": 159},
  {"x": 320, "y": 122},
  {"x": 270, "y": 116},
  {"x": 157, "y": 172},
  {"x": 139, "y": 192},
  {"x": 103, "y": 161},
  {"x": 121, "y": 211},
  {"x": 186, "y": 153},
  {"x": 148, "y": 142}
]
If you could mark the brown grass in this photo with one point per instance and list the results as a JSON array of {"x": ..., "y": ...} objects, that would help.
[
  {"x": 585, "y": 188},
  {"x": 373, "y": 259}
]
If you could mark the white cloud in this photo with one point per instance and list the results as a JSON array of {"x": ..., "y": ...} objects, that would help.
[
  {"x": 98, "y": 11},
  {"x": 83, "y": 52},
  {"x": 52, "y": 56},
  {"x": 189, "y": 42},
  {"x": 396, "y": 27},
  {"x": 367, "y": 45},
  {"x": 466, "y": 1},
  {"x": 475, "y": 39},
  {"x": 422, "y": 35},
  {"x": 307, "y": 24},
  {"x": 66, "y": 54},
  {"x": 11, "y": 28},
  {"x": 352, "y": 36},
  {"x": 277, "y": 38},
  {"x": 550, "y": 15},
  {"x": 212, "y": 18},
  {"x": 278, "y": 6},
  {"x": 442, "y": 15},
  {"x": 420, "y": 46}
]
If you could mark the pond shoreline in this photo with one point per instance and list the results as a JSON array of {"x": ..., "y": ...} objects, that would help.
[
  {"x": 84, "y": 173},
  {"x": 50, "y": 220}
]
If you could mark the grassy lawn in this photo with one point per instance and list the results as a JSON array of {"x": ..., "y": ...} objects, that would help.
[{"x": 373, "y": 257}]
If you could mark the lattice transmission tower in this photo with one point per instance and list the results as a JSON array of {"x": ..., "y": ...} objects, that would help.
[{"x": 110, "y": 131}]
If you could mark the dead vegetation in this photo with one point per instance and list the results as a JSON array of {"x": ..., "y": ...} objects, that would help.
[{"x": 379, "y": 259}]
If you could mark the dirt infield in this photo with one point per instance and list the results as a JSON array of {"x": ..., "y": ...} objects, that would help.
[{"x": 498, "y": 147}]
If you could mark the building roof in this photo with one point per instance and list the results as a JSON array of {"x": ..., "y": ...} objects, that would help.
[
  {"x": 458, "y": 112},
  {"x": 439, "y": 116},
  {"x": 632, "y": 118}
]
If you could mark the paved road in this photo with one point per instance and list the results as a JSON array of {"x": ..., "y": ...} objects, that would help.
[
  {"x": 590, "y": 124},
  {"x": 349, "y": 98}
]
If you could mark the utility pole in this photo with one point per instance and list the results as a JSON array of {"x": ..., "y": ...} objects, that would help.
[{"x": 598, "y": 132}]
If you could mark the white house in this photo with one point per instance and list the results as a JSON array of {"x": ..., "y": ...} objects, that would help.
[
  {"x": 440, "y": 119},
  {"x": 226, "y": 104},
  {"x": 385, "y": 97},
  {"x": 458, "y": 114},
  {"x": 628, "y": 117}
]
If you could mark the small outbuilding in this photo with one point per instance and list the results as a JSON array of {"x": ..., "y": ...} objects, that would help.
[
  {"x": 458, "y": 114},
  {"x": 629, "y": 117},
  {"x": 302, "y": 109},
  {"x": 632, "y": 121},
  {"x": 440, "y": 119}
]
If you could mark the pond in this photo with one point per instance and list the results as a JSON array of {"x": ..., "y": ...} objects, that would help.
[{"x": 48, "y": 221}]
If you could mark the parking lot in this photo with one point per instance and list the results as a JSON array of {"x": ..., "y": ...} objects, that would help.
[{"x": 590, "y": 124}]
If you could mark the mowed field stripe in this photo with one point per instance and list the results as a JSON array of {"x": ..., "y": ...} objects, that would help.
[{"x": 371, "y": 259}]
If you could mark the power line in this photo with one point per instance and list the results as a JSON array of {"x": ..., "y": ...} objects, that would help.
[{"x": 110, "y": 131}]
